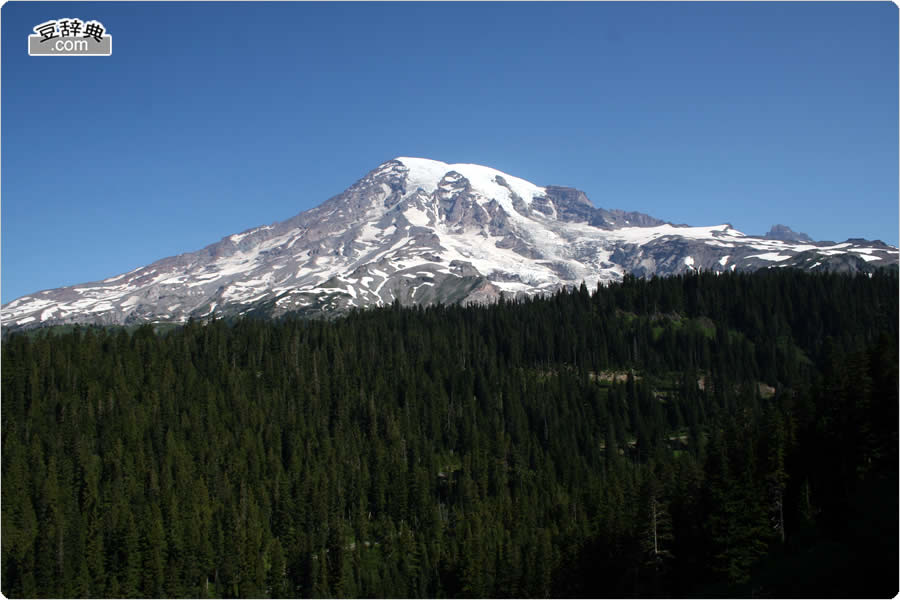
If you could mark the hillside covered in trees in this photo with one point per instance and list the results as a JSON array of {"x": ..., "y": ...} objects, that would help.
[{"x": 720, "y": 435}]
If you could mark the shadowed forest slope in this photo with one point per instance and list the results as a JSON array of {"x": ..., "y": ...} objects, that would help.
[{"x": 706, "y": 434}]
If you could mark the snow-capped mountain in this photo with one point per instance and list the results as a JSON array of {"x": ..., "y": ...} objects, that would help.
[{"x": 423, "y": 231}]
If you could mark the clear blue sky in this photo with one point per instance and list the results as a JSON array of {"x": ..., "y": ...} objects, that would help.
[{"x": 210, "y": 118}]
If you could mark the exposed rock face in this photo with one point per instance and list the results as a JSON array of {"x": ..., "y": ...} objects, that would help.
[
  {"x": 786, "y": 234},
  {"x": 419, "y": 232}
]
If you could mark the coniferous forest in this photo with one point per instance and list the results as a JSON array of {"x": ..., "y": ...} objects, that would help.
[{"x": 700, "y": 435}]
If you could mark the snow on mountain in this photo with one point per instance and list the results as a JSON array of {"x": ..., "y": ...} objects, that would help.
[{"x": 423, "y": 231}]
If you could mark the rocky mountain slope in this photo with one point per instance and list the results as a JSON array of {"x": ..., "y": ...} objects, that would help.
[{"x": 423, "y": 231}]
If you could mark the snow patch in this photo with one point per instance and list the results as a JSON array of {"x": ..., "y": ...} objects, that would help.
[
  {"x": 129, "y": 302},
  {"x": 427, "y": 174},
  {"x": 771, "y": 256}
]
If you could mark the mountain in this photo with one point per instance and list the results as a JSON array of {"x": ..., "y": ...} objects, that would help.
[
  {"x": 786, "y": 234},
  {"x": 422, "y": 231}
]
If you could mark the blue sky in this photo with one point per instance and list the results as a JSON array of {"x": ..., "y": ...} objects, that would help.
[{"x": 211, "y": 118}]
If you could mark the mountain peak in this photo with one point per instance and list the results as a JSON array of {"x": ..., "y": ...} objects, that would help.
[
  {"x": 428, "y": 174},
  {"x": 786, "y": 234},
  {"x": 423, "y": 231}
]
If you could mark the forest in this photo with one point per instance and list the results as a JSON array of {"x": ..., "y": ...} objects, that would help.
[{"x": 703, "y": 435}]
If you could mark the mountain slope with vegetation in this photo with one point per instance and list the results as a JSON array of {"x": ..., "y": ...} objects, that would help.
[{"x": 731, "y": 434}]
